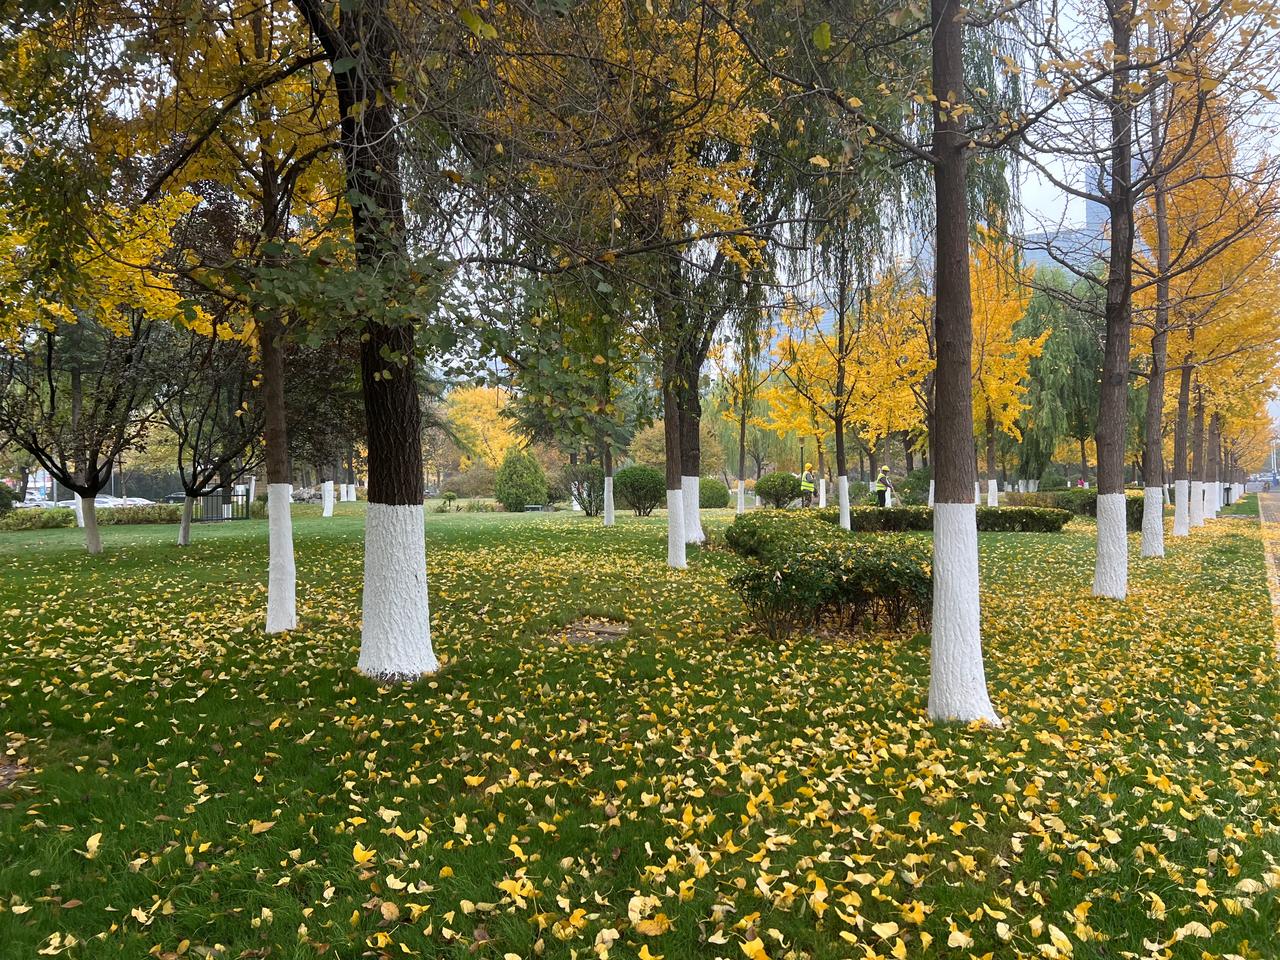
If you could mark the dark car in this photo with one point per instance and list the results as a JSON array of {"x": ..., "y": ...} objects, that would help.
[{"x": 174, "y": 497}]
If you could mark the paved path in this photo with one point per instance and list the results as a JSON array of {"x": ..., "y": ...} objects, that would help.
[{"x": 1269, "y": 508}]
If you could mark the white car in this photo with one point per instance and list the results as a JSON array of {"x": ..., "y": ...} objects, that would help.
[{"x": 136, "y": 502}]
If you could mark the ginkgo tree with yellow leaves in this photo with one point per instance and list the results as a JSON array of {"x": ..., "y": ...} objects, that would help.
[{"x": 1001, "y": 358}]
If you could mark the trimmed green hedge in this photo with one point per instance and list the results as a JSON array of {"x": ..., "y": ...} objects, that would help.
[
  {"x": 37, "y": 518},
  {"x": 801, "y": 569},
  {"x": 990, "y": 519},
  {"x": 151, "y": 513},
  {"x": 1082, "y": 503},
  {"x": 52, "y": 518}
]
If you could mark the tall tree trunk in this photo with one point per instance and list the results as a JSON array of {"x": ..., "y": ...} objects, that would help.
[
  {"x": 1153, "y": 434},
  {"x": 957, "y": 677},
  {"x": 1181, "y": 473},
  {"x": 842, "y": 473},
  {"x": 822, "y": 473},
  {"x": 993, "y": 490},
  {"x": 282, "y": 612},
  {"x": 1084, "y": 460},
  {"x": 1111, "y": 571},
  {"x": 395, "y": 641},
  {"x": 1213, "y": 472},
  {"x": 691, "y": 451},
  {"x": 606, "y": 459},
  {"x": 741, "y": 506},
  {"x": 675, "y": 494},
  {"x": 1196, "y": 511}
]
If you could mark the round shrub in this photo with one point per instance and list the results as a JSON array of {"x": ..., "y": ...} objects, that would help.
[
  {"x": 520, "y": 481},
  {"x": 585, "y": 483},
  {"x": 640, "y": 489},
  {"x": 712, "y": 494},
  {"x": 7, "y": 496},
  {"x": 778, "y": 489}
]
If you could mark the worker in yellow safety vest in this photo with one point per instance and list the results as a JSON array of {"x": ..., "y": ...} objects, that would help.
[
  {"x": 806, "y": 485},
  {"x": 882, "y": 487}
]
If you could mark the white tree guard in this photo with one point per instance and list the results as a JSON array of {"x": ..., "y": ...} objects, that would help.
[
  {"x": 957, "y": 677},
  {"x": 1181, "y": 508},
  {"x": 89, "y": 520},
  {"x": 608, "y": 502},
  {"x": 1196, "y": 503},
  {"x": 326, "y": 498},
  {"x": 675, "y": 530},
  {"x": 692, "y": 517},
  {"x": 1153, "y": 521},
  {"x": 842, "y": 494},
  {"x": 282, "y": 610},
  {"x": 742, "y": 497},
  {"x": 1111, "y": 570},
  {"x": 993, "y": 494},
  {"x": 395, "y": 637},
  {"x": 931, "y": 493},
  {"x": 822, "y": 492}
]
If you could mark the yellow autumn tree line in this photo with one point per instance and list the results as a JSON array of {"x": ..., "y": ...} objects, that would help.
[{"x": 877, "y": 380}]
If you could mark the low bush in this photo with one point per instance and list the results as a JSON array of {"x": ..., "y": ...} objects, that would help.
[
  {"x": 1081, "y": 502},
  {"x": 713, "y": 494},
  {"x": 585, "y": 483},
  {"x": 990, "y": 519},
  {"x": 778, "y": 489},
  {"x": 520, "y": 481},
  {"x": 801, "y": 569},
  {"x": 150, "y": 513},
  {"x": 7, "y": 496},
  {"x": 38, "y": 519},
  {"x": 1053, "y": 479},
  {"x": 639, "y": 488}
]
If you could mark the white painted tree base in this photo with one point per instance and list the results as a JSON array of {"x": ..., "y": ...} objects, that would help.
[
  {"x": 1181, "y": 508},
  {"x": 395, "y": 637},
  {"x": 957, "y": 677},
  {"x": 931, "y": 493},
  {"x": 608, "y": 502},
  {"x": 822, "y": 493},
  {"x": 842, "y": 495},
  {"x": 1111, "y": 570},
  {"x": 77, "y": 502},
  {"x": 692, "y": 518},
  {"x": 675, "y": 530},
  {"x": 1196, "y": 504},
  {"x": 282, "y": 610},
  {"x": 1153, "y": 521},
  {"x": 326, "y": 498},
  {"x": 741, "y": 506},
  {"x": 993, "y": 494}
]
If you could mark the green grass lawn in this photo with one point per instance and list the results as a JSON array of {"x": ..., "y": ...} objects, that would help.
[{"x": 190, "y": 787}]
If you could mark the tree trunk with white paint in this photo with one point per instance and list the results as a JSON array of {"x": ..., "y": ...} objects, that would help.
[
  {"x": 89, "y": 512},
  {"x": 326, "y": 498},
  {"x": 957, "y": 678},
  {"x": 993, "y": 494},
  {"x": 1153, "y": 521},
  {"x": 741, "y": 497},
  {"x": 822, "y": 492},
  {"x": 842, "y": 496},
  {"x": 1196, "y": 510},
  {"x": 606, "y": 461},
  {"x": 690, "y": 489},
  {"x": 281, "y": 575},
  {"x": 675, "y": 494},
  {"x": 184, "y": 527},
  {"x": 1111, "y": 570}
]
